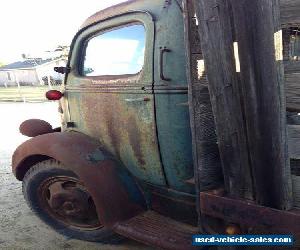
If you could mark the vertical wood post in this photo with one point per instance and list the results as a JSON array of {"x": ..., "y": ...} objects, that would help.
[
  {"x": 49, "y": 82},
  {"x": 19, "y": 88},
  {"x": 215, "y": 29},
  {"x": 259, "y": 37},
  {"x": 38, "y": 78},
  {"x": 249, "y": 107}
]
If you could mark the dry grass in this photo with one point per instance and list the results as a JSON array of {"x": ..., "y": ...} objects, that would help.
[{"x": 23, "y": 94}]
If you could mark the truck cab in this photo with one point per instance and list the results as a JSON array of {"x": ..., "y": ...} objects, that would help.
[
  {"x": 127, "y": 88},
  {"x": 126, "y": 91},
  {"x": 122, "y": 161}
]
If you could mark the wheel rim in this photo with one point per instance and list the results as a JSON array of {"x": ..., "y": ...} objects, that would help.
[{"x": 67, "y": 200}]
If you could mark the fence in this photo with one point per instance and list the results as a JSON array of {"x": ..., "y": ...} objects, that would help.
[{"x": 26, "y": 93}]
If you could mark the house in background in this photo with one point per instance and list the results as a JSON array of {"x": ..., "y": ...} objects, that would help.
[{"x": 31, "y": 71}]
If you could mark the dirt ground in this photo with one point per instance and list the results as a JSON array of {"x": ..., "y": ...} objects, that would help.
[{"x": 19, "y": 227}]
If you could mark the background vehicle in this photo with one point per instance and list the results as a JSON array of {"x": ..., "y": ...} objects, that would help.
[{"x": 123, "y": 160}]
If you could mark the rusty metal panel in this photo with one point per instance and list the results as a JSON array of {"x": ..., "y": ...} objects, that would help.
[
  {"x": 124, "y": 124},
  {"x": 159, "y": 231},
  {"x": 249, "y": 214},
  {"x": 115, "y": 193},
  {"x": 34, "y": 127},
  {"x": 177, "y": 209},
  {"x": 123, "y": 8},
  {"x": 119, "y": 111}
]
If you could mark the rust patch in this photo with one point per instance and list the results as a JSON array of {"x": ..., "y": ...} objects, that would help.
[
  {"x": 249, "y": 214},
  {"x": 135, "y": 139},
  {"x": 124, "y": 128},
  {"x": 35, "y": 127},
  {"x": 113, "y": 134},
  {"x": 108, "y": 12},
  {"x": 103, "y": 179},
  {"x": 159, "y": 231}
]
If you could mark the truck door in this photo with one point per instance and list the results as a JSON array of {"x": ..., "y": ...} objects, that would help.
[
  {"x": 109, "y": 91},
  {"x": 171, "y": 97}
]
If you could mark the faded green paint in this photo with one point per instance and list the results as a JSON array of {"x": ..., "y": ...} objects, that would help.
[
  {"x": 172, "y": 111},
  {"x": 127, "y": 131},
  {"x": 119, "y": 113},
  {"x": 96, "y": 156},
  {"x": 141, "y": 119}
]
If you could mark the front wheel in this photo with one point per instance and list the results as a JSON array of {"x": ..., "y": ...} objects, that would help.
[{"x": 60, "y": 199}]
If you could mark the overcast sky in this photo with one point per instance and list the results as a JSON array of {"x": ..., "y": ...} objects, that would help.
[{"x": 33, "y": 26}]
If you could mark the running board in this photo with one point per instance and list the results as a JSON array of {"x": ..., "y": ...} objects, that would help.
[{"x": 156, "y": 230}]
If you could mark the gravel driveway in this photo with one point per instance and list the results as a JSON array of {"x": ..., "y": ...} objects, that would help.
[{"x": 19, "y": 227}]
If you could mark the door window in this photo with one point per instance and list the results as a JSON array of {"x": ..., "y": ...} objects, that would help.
[{"x": 116, "y": 52}]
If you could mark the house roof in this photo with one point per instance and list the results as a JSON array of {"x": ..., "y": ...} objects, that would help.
[{"x": 29, "y": 63}]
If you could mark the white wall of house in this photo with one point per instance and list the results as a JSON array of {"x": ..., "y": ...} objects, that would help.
[
  {"x": 24, "y": 76},
  {"x": 31, "y": 76},
  {"x": 47, "y": 69},
  {"x": 7, "y": 78},
  {"x": 3, "y": 78}
]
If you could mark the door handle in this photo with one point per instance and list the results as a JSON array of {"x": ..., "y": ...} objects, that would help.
[
  {"x": 161, "y": 63},
  {"x": 143, "y": 99}
]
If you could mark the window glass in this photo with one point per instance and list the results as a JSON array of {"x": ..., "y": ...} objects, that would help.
[{"x": 116, "y": 52}]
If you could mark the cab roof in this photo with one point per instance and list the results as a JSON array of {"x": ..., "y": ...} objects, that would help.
[{"x": 113, "y": 11}]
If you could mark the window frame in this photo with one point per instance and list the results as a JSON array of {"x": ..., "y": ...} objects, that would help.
[
  {"x": 102, "y": 32},
  {"x": 76, "y": 60}
]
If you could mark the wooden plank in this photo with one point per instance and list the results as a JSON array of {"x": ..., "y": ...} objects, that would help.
[
  {"x": 296, "y": 190},
  {"x": 258, "y": 33},
  {"x": 289, "y": 11},
  {"x": 286, "y": 37},
  {"x": 294, "y": 141},
  {"x": 215, "y": 29},
  {"x": 294, "y": 153},
  {"x": 207, "y": 164},
  {"x": 292, "y": 91},
  {"x": 260, "y": 218},
  {"x": 292, "y": 67}
]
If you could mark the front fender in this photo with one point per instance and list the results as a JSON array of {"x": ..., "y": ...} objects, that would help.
[{"x": 116, "y": 194}]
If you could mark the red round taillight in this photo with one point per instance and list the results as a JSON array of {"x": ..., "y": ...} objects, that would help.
[{"x": 54, "y": 95}]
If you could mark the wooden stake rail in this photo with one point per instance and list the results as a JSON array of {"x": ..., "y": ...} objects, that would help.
[{"x": 249, "y": 106}]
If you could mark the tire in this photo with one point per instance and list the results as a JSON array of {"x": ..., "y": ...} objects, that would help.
[{"x": 58, "y": 198}]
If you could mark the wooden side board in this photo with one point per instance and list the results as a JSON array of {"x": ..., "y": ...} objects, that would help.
[
  {"x": 294, "y": 141},
  {"x": 289, "y": 10},
  {"x": 296, "y": 190},
  {"x": 293, "y": 101},
  {"x": 258, "y": 85},
  {"x": 294, "y": 153},
  {"x": 291, "y": 67},
  {"x": 292, "y": 91}
]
